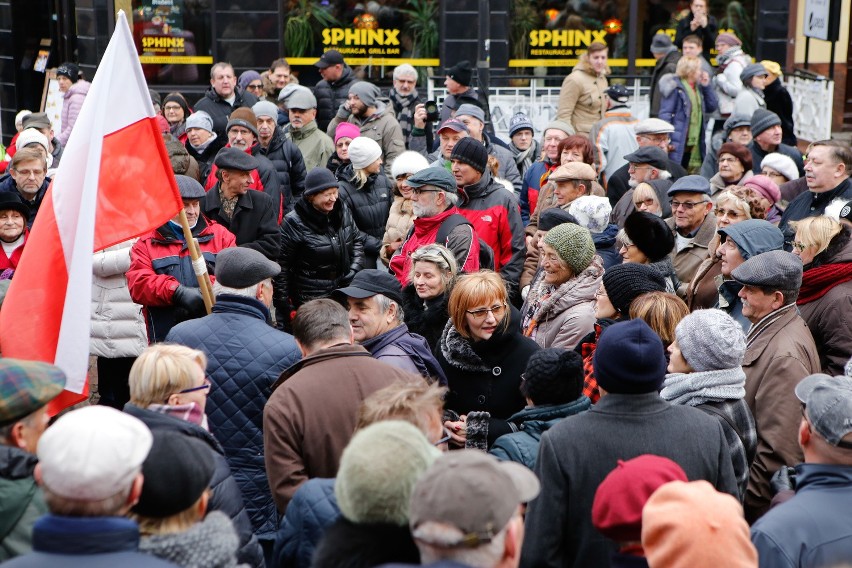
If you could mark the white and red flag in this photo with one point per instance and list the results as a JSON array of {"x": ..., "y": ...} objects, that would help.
[{"x": 115, "y": 182}]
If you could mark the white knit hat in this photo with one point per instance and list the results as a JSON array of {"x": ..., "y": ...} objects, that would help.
[
  {"x": 364, "y": 151},
  {"x": 591, "y": 212},
  {"x": 781, "y": 164},
  {"x": 408, "y": 162},
  {"x": 29, "y": 136}
]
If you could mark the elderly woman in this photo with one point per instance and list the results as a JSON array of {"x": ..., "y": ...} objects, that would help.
[
  {"x": 705, "y": 372},
  {"x": 733, "y": 205},
  {"x": 401, "y": 216},
  {"x": 825, "y": 298},
  {"x": 176, "y": 110},
  {"x": 483, "y": 355},
  {"x": 646, "y": 239},
  {"x": 168, "y": 392},
  {"x": 559, "y": 309},
  {"x": 779, "y": 168},
  {"x": 321, "y": 248},
  {"x": 688, "y": 100},
  {"x": 769, "y": 195},
  {"x": 14, "y": 214},
  {"x": 734, "y": 167},
  {"x": 424, "y": 300}
]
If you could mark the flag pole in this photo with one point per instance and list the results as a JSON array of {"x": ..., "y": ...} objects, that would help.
[{"x": 198, "y": 264}]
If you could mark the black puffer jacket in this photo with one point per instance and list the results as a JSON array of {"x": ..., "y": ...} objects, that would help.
[
  {"x": 288, "y": 162},
  {"x": 370, "y": 206},
  {"x": 219, "y": 109},
  {"x": 319, "y": 253},
  {"x": 225, "y": 495},
  {"x": 331, "y": 95},
  {"x": 427, "y": 319}
]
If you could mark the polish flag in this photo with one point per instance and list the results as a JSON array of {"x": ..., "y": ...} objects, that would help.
[{"x": 115, "y": 182}]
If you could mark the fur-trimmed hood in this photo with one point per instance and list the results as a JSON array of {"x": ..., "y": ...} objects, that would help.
[
  {"x": 461, "y": 353},
  {"x": 668, "y": 83}
]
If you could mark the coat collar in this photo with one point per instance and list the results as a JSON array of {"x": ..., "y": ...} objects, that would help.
[
  {"x": 55, "y": 534},
  {"x": 338, "y": 351}
]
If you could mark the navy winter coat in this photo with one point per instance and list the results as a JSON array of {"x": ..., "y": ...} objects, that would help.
[
  {"x": 245, "y": 356},
  {"x": 676, "y": 109},
  {"x": 312, "y": 510}
]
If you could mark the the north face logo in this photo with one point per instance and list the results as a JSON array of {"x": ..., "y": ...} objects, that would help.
[{"x": 486, "y": 218}]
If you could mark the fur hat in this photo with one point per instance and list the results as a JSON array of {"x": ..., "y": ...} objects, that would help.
[
  {"x": 364, "y": 151},
  {"x": 591, "y": 212},
  {"x": 242, "y": 117},
  {"x": 470, "y": 152},
  {"x": 740, "y": 152},
  {"x": 711, "y": 340},
  {"x": 367, "y": 92},
  {"x": 626, "y": 282},
  {"x": 573, "y": 244},
  {"x": 650, "y": 234},
  {"x": 630, "y": 359},
  {"x": 346, "y": 130},
  {"x": 409, "y": 162},
  {"x": 553, "y": 376},
  {"x": 782, "y": 164},
  {"x": 378, "y": 470}
]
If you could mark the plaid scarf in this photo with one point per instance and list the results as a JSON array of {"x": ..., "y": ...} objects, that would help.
[
  {"x": 187, "y": 412},
  {"x": 228, "y": 205},
  {"x": 403, "y": 106}
]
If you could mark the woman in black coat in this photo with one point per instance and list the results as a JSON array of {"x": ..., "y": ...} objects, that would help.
[
  {"x": 424, "y": 300},
  {"x": 483, "y": 354},
  {"x": 321, "y": 248}
]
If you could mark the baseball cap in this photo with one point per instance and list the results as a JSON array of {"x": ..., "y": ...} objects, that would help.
[
  {"x": 370, "y": 282},
  {"x": 828, "y": 403},
  {"x": 329, "y": 58},
  {"x": 453, "y": 124}
]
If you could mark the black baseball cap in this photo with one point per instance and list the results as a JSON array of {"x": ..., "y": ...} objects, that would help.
[
  {"x": 370, "y": 282},
  {"x": 329, "y": 58}
]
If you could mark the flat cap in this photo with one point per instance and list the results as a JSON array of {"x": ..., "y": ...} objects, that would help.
[
  {"x": 189, "y": 188},
  {"x": 829, "y": 406},
  {"x": 653, "y": 126},
  {"x": 572, "y": 171},
  {"x": 651, "y": 155},
  {"x": 434, "y": 175},
  {"x": 234, "y": 159},
  {"x": 36, "y": 120},
  {"x": 26, "y": 386},
  {"x": 690, "y": 184},
  {"x": 240, "y": 267},
  {"x": 301, "y": 99},
  {"x": 777, "y": 270}
]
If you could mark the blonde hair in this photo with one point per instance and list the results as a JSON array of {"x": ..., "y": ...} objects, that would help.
[
  {"x": 410, "y": 401},
  {"x": 644, "y": 191},
  {"x": 687, "y": 66},
  {"x": 439, "y": 255},
  {"x": 177, "y": 523},
  {"x": 476, "y": 289},
  {"x": 816, "y": 231},
  {"x": 661, "y": 311},
  {"x": 361, "y": 177},
  {"x": 161, "y": 371}
]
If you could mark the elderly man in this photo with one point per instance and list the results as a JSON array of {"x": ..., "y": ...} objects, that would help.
[
  {"x": 25, "y": 389},
  {"x": 28, "y": 179},
  {"x": 404, "y": 97},
  {"x": 202, "y": 143},
  {"x": 766, "y": 138},
  {"x": 649, "y": 132},
  {"x": 223, "y": 96},
  {"x": 459, "y": 91},
  {"x": 449, "y": 133},
  {"x": 41, "y": 122},
  {"x": 613, "y": 136},
  {"x": 314, "y": 144},
  {"x": 374, "y": 119},
  {"x": 313, "y": 409},
  {"x": 737, "y": 129},
  {"x": 374, "y": 302},
  {"x": 535, "y": 177},
  {"x": 646, "y": 165},
  {"x": 436, "y": 220},
  {"x": 474, "y": 118},
  {"x": 333, "y": 90},
  {"x": 89, "y": 468},
  {"x": 284, "y": 155},
  {"x": 823, "y": 484},
  {"x": 245, "y": 356},
  {"x": 780, "y": 352},
  {"x": 693, "y": 225},
  {"x": 161, "y": 277}
]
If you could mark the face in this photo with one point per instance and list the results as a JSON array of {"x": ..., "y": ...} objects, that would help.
[
  {"x": 603, "y": 307},
  {"x": 255, "y": 88},
  {"x": 689, "y": 210},
  {"x": 342, "y": 147},
  {"x": 449, "y": 138},
  {"x": 822, "y": 172},
  {"x": 223, "y": 81},
  {"x": 197, "y": 136},
  {"x": 332, "y": 72},
  {"x": 648, "y": 205},
  {"x": 722, "y": 48},
  {"x": 173, "y": 112},
  {"x": 32, "y": 428},
  {"x": 427, "y": 280},
  {"x": 356, "y": 105},
  {"x": 473, "y": 125},
  {"x": 424, "y": 201},
  {"x": 485, "y": 320},
  {"x": 774, "y": 175},
  {"x": 806, "y": 253},
  {"x": 759, "y": 82},
  {"x": 631, "y": 253},
  {"x": 698, "y": 7},
  {"x": 301, "y": 117},
  {"x": 731, "y": 256},
  {"x": 265, "y": 128},
  {"x": 522, "y": 139},
  {"x": 571, "y": 155},
  {"x": 677, "y": 363},
  {"x": 465, "y": 174},
  {"x": 566, "y": 192},
  {"x": 727, "y": 213},
  {"x": 29, "y": 175},
  {"x": 192, "y": 207},
  {"x": 552, "y": 139},
  {"x": 555, "y": 270},
  {"x": 405, "y": 84},
  {"x": 198, "y": 396},
  {"x": 375, "y": 167},
  {"x": 757, "y": 304},
  {"x": 598, "y": 61},
  {"x": 453, "y": 86},
  {"x": 740, "y": 135},
  {"x": 240, "y": 137},
  {"x": 324, "y": 201},
  {"x": 730, "y": 168},
  {"x": 402, "y": 185},
  {"x": 236, "y": 182},
  {"x": 12, "y": 225},
  {"x": 769, "y": 138},
  {"x": 691, "y": 49},
  {"x": 64, "y": 83},
  {"x": 280, "y": 77},
  {"x": 367, "y": 320},
  {"x": 640, "y": 172},
  {"x": 659, "y": 140}
]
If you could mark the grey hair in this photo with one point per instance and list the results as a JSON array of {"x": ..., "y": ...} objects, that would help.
[
  {"x": 249, "y": 292},
  {"x": 441, "y": 257},
  {"x": 664, "y": 174},
  {"x": 452, "y": 198},
  {"x": 385, "y": 304},
  {"x": 404, "y": 70},
  {"x": 485, "y": 555}
]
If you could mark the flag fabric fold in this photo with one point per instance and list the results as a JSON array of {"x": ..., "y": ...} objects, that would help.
[{"x": 115, "y": 182}]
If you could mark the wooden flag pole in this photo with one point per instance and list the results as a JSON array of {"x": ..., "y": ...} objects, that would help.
[{"x": 198, "y": 264}]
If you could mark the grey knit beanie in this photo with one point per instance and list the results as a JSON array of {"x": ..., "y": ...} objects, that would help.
[
  {"x": 711, "y": 340},
  {"x": 573, "y": 244},
  {"x": 367, "y": 92}
]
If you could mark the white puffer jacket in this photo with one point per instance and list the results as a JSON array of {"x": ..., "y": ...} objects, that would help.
[{"x": 118, "y": 329}]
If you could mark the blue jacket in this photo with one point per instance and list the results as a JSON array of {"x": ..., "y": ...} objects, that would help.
[
  {"x": 406, "y": 350},
  {"x": 86, "y": 542},
  {"x": 522, "y": 446},
  {"x": 310, "y": 513},
  {"x": 7, "y": 183},
  {"x": 245, "y": 356},
  {"x": 676, "y": 109},
  {"x": 605, "y": 246},
  {"x": 531, "y": 183},
  {"x": 814, "y": 528}
]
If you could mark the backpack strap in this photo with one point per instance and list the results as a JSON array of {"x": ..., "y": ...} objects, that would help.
[{"x": 448, "y": 225}]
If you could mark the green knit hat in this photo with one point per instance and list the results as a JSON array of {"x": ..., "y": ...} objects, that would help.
[{"x": 574, "y": 245}]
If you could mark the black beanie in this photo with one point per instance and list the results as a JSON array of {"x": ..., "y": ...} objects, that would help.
[
  {"x": 460, "y": 73},
  {"x": 553, "y": 376},
  {"x": 319, "y": 179},
  {"x": 70, "y": 70},
  {"x": 177, "y": 471},
  {"x": 650, "y": 234},
  {"x": 470, "y": 152},
  {"x": 554, "y": 216},
  {"x": 625, "y": 282},
  {"x": 630, "y": 359}
]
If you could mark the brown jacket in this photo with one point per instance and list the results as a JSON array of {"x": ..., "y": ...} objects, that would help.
[
  {"x": 780, "y": 352},
  {"x": 312, "y": 412},
  {"x": 582, "y": 101},
  {"x": 688, "y": 259}
]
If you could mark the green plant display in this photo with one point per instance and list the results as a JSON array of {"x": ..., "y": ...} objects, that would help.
[{"x": 299, "y": 31}]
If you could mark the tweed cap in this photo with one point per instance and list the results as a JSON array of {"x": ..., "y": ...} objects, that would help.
[
  {"x": 573, "y": 244},
  {"x": 572, "y": 171},
  {"x": 241, "y": 267},
  {"x": 234, "y": 159},
  {"x": 36, "y": 120},
  {"x": 243, "y": 117},
  {"x": 762, "y": 120},
  {"x": 471, "y": 110},
  {"x": 199, "y": 119},
  {"x": 690, "y": 184},
  {"x": 301, "y": 99},
  {"x": 829, "y": 406},
  {"x": 776, "y": 270},
  {"x": 518, "y": 122},
  {"x": 626, "y": 282},
  {"x": 560, "y": 125},
  {"x": 651, "y": 155},
  {"x": 189, "y": 188},
  {"x": 26, "y": 386},
  {"x": 434, "y": 175},
  {"x": 711, "y": 340},
  {"x": 470, "y": 152},
  {"x": 653, "y": 126}
]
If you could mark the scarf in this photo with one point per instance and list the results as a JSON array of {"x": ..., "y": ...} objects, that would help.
[
  {"x": 694, "y": 389},
  {"x": 403, "y": 106},
  {"x": 210, "y": 543},
  {"x": 190, "y": 412},
  {"x": 525, "y": 158},
  {"x": 228, "y": 205},
  {"x": 694, "y": 133},
  {"x": 816, "y": 282},
  {"x": 203, "y": 146},
  {"x": 548, "y": 169}
]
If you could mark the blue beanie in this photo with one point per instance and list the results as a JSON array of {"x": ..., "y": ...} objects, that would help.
[{"x": 630, "y": 359}]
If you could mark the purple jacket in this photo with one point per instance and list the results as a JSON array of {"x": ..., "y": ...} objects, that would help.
[{"x": 71, "y": 106}]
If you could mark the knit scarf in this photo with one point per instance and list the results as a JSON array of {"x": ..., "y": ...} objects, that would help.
[
  {"x": 404, "y": 105},
  {"x": 693, "y": 136},
  {"x": 693, "y": 389},
  {"x": 816, "y": 282},
  {"x": 525, "y": 158},
  {"x": 211, "y": 543}
]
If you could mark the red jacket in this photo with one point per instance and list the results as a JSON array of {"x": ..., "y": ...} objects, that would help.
[{"x": 12, "y": 262}]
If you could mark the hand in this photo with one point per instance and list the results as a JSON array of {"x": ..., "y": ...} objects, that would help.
[
  {"x": 420, "y": 116},
  {"x": 783, "y": 480},
  {"x": 190, "y": 299},
  {"x": 391, "y": 248},
  {"x": 704, "y": 78},
  {"x": 457, "y": 431}
]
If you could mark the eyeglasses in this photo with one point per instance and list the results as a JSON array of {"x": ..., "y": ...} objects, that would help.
[
  {"x": 254, "y": 87},
  {"x": 171, "y": 108},
  {"x": 799, "y": 245},
  {"x": 419, "y": 190},
  {"x": 730, "y": 213},
  {"x": 30, "y": 173},
  {"x": 647, "y": 202},
  {"x": 482, "y": 313},
  {"x": 687, "y": 205},
  {"x": 206, "y": 385},
  {"x": 444, "y": 439},
  {"x": 633, "y": 168}
]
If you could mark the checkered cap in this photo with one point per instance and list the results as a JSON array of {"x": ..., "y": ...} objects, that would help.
[{"x": 26, "y": 386}]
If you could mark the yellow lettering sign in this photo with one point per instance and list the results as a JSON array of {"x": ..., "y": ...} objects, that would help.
[
  {"x": 358, "y": 37},
  {"x": 566, "y": 38},
  {"x": 158, "y": 42}
]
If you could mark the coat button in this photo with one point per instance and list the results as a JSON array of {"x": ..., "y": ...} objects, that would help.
[
  {"x": 496, "y": 371},
  {"x": 481, "y": 399}
]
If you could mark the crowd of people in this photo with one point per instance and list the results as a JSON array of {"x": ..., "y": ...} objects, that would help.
[{"x": 613, "y": 342}]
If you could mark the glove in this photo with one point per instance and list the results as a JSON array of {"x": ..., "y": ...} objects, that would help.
[
  {"x": 783, "y": 480},
  {"x": 477, "y": 430},
  {"x": 190, "y": 299}
]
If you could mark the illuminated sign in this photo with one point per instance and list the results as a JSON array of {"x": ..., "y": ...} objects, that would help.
[{"x": 347, "y": 41}]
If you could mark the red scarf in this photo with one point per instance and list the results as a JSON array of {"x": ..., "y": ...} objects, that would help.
[{"x": 816, "y": 282}]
